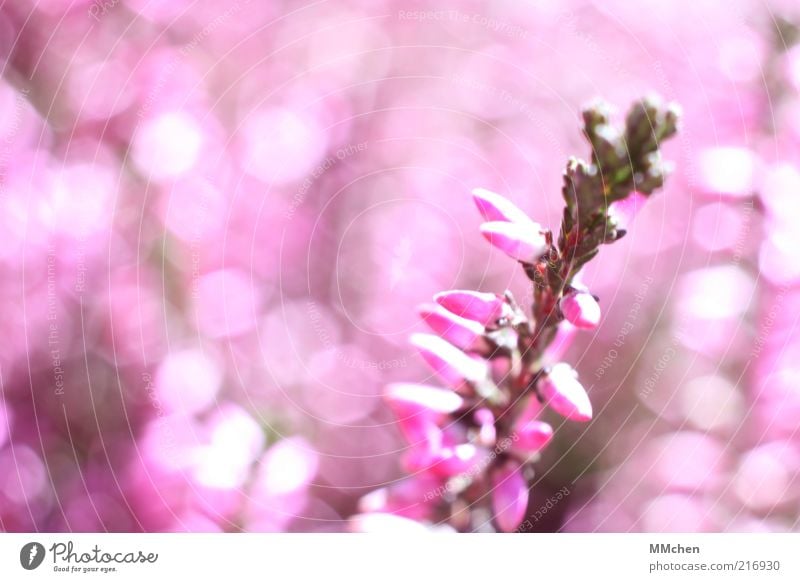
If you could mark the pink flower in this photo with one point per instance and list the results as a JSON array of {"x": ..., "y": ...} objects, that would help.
[
  {"x": 484, "y": 308},
  {"x": 462, "y": 333},
  {"x": 409, "y": 398},
  {"x": 487, "y": 432},
  {"x": 521, "y": 242},
  {"x": 509, "y": 496},
  {"x": 451, "y": 364},
  {"x": 494, "y": 207},
  {"x": 581, "y": 309},
  {"x": 564, "y": 393},
  {"x": 385, "y": 523},
  {"x": 419, "y": 409}
]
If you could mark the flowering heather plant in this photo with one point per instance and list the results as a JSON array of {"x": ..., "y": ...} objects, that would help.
[{"x": 472, "y": 445}]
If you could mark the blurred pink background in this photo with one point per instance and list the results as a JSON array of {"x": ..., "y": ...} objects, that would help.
[{"x": 218, "y": 220}]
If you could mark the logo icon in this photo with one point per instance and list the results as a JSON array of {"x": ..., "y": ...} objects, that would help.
[{"x": 31, "y": 555}]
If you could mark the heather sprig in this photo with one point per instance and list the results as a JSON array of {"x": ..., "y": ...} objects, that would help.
[{"x": 472, "y": 446}]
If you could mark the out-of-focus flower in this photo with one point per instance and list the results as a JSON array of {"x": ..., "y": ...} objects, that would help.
[
  {"x": 497, "y": 358},
  {"x": 413, "y": 399},
  {"x": 623, "y": 212},
  {"x": 450, "y": 363},
  {"x": 409, "y": 498},
  {"x": 766, "y": 477},
  {"x": 216, "y": 234},
  {"x": 533, "y": 436},
  {"x": 487, "y": 432},
  {"x": 461, "y": 332},
  {"x": 581, "y": 309},
  {"x": 496, "y": 208},
  {"x": 385, "y": 523},
  {"x": 729, "y": 171}
]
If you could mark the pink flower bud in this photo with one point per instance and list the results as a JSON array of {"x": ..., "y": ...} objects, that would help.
[
  {"x": 451, "y": 364},
  {"x": 565, "y": 333},
  {"x": 509, "y": 496},
  {"x": 385, "y": 523},
  {"x": 624, "y": 211},
  {"x": 485, "y": 308},
  {"x": 564, "y": 393},
  {"x": 377, "y": 500},
  {"x": 416, "y": 460},
  {"x": 419, "y": 409},
  {"x": 462, "y": 333},
  {"x": 580, "y": 309},
  {"x": 521, "y": 242},
  {"x": 408, "y": 498},
  {"x": 532, "y": 436},
  {"x": 493, "y": 206},
  {"x": 458, "y": 460}
]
